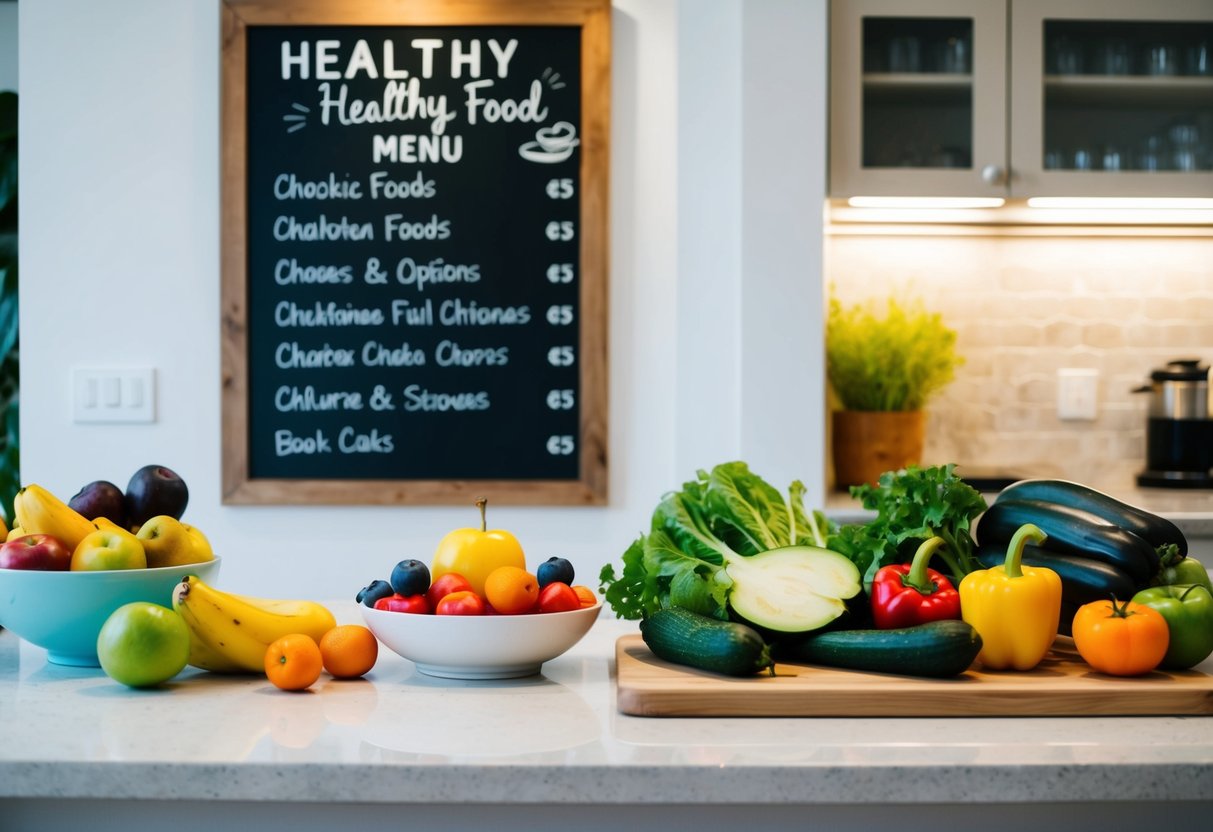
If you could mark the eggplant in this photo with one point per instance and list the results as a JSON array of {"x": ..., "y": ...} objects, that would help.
[
  {"x": 1082, "y": 579},
  {"x": 1155, "y": 530},
  {"x": 1071, "y": 531}
]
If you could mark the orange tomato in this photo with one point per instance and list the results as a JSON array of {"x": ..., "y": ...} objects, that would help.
[
  {"x": 587, "y": 596},
  {"x": 1120, "y": 639},
  {"x": 349, "y": 651},
  {"x": 511, "y": 590},
  {"x": 293, "y": 662}
]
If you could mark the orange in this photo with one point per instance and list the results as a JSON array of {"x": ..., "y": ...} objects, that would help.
[
  {"x": 586, "y": 596},
  {"x": 293, "y": 662},
  {"x": 511, "y": 590},
  {"x": 349, "y": 651}
]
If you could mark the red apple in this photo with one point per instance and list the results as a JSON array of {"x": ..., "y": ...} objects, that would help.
[{"x": 36, "y": 551}]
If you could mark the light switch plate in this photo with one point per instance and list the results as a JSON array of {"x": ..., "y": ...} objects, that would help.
[
  {"x": 1077, "y": 394},
  {"x": 113, "y": 394}
]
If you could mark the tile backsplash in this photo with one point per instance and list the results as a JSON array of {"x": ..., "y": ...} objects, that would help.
[{"x": 1024, "y": 307}]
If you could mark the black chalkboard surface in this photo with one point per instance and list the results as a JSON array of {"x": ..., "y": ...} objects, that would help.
[{"x": 414, "y": 282}]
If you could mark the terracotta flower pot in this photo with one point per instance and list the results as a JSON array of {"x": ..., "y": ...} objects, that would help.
[{"x": 865, "y": 444}]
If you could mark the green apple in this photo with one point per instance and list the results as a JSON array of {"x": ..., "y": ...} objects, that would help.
[
  {"x": 168, "y": 542},
  {"x": 109, "y": 549},
  {"x": 143, "y": 644}
]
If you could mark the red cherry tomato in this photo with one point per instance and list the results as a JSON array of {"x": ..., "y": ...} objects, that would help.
[
  {"x": 404, "y": 603},
  {"x": 558, "y": 597},
  {"x": 444, "y": 585},
  {"x": 463, "y": 602}
]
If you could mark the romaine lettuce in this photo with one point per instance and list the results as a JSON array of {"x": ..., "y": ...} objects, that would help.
[{"x": 728, "y": 544}]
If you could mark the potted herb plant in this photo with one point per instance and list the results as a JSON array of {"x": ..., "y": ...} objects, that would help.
[{"x": 883, "y": 365}]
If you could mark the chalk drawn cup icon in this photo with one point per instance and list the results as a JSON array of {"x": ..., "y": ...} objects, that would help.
[{"x": 552, "y": 144}]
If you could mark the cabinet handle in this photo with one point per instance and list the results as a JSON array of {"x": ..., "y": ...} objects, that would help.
[{"x": 992, "y": 175}]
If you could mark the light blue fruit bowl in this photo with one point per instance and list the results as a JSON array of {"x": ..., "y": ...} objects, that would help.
[{"x": 63, "y": 611}]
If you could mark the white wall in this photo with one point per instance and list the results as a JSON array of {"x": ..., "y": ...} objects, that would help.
[
  {"x": 120, "y": 265},
  {"x": 8, "y": 45}
]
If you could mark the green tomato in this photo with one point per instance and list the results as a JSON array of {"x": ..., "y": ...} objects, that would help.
[
  {"x": 143, "y": 644},
  {"x": 1184, "y": 572},
  {"x": 1189, "y": 614}
]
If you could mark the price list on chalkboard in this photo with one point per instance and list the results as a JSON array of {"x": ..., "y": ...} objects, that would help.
[{"x": 413, "y": 258}]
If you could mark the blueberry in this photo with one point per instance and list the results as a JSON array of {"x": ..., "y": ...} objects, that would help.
[
  {"x": 411, "y": 577},
  {"x": 555, "y": 570},
  {"x": 371, "y": 593}
]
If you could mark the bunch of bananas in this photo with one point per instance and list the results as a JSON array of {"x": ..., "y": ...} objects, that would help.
[
  {"x": 229, "y": 633},
  {"x": 38, "y": 511}
]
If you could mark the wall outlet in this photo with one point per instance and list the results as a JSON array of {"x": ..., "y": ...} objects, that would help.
[
  {"x": 1077, "y": 394},
  {"x": 126, "y": 394}
]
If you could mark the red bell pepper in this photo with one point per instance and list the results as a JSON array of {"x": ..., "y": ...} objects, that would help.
[{"x": 906, "y": 594}]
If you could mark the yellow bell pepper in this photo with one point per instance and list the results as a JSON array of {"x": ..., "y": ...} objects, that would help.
[{"x": 1014, "y": 608}]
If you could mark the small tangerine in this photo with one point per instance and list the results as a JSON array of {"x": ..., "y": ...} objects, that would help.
[
  {"x": 293, "y": 662},
  {"x": 349, "y": 651}
]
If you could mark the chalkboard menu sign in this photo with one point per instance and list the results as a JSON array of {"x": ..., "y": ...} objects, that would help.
[{"x": 415, "y": 234}]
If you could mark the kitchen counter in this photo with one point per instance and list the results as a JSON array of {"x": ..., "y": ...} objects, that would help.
[{"x": 525, "y": 753}]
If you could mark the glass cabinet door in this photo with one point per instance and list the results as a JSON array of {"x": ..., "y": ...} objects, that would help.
[
  {"x": 1120, "y": 105},
  {"x": 918, "y": 103}
]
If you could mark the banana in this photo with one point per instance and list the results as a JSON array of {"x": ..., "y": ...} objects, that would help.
[
  {"x": 208, "y": 658},
  {"x": 239, "y": 628},
  {"x": 41, "y": 512}
]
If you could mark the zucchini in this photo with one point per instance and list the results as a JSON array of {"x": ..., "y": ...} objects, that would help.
[
  {"x": 1071, "y": 531},
  {"x": 937, "y": 650},
  {"x": 1155, "y": 530},
  {"x": 1082, "y": 579},
  {"x": 695, "y": 640}
]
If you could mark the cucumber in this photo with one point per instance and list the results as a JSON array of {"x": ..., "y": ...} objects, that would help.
[
  {"x": 1155, "y": 530},
  {"x": 1071, "y": 531},
  {"x": 936, "y": 650},
  {"x": 1082, "y": 579},
  {"x": 695, "y": 640}
]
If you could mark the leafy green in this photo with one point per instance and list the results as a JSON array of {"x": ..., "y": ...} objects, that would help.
[
  {"x": 892, "y": 362},
  {"x": 695, "y": 532},
  {"x": 911, "y": 506}
]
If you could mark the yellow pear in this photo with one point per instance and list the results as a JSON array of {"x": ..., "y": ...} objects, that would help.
[
  {"x": 166, "y": 542},
  {"x": 106, "y": 523},
  {"x": 14, "y": 533}
]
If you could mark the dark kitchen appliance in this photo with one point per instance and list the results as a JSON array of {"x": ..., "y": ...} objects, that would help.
[{"x": 1179, "y": 431}]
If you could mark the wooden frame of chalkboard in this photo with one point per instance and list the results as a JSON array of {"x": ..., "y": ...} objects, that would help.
[{"x": 414, "y": 251}]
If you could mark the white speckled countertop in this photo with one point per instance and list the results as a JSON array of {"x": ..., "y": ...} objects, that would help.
[{"x": 398, "y": 737}]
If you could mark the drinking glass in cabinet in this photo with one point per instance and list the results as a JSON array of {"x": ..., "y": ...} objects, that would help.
[
  {"x": 1198, "y": 60},
  {"x": 1114, "y": 57},
  {"x": 1162, "y": 59},
  {"x": 1065, "y": 56},
  {"x": 905, "y": 54}
]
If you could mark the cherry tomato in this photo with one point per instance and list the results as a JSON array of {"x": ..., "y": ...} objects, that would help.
[
  {"x": 1120, "y": 639},
  {"x": 444, "y": 585},
  {"x": 396, "y": 602},
  {"x": 463, "y": 602},
  {"x": 586, "y": 595},
  {"x": 558, "y": 597}
]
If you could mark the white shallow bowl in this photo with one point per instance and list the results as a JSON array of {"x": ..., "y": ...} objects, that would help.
[
  {"x": 63, "y": 611},
  {"x": 480, "y": 646}
]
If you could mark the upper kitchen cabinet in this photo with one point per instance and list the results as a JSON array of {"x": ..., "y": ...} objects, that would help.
[
  {"x": 918, "y": 97},
  {"x": 1111, "y": 98},
  {"x": 1021, "y": 98}
]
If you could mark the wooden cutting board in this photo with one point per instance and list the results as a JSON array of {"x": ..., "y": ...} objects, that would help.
[{"x": 1062, "y": 685}]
